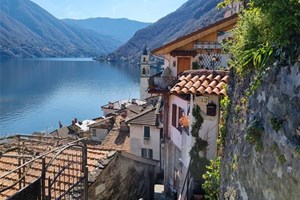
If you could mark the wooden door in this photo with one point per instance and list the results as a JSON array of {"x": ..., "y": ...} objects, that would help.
[{"x": 184, "y": 63}]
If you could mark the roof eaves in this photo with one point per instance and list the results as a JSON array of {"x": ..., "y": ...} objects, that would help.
[
  {"x": 140, "y": 115},
  {"x": 154, "y": 51}
]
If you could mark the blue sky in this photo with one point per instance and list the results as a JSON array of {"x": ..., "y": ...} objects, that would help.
[{"x": 140, "y": 10}]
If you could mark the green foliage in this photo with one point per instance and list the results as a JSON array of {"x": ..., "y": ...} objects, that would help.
[
  {"x": 254, "y": 135},
  {"x": 195, "y": 65},
  {"x": 283, "y": 19},
  {"x": 237, "y": 108},
  {"x": 196, "y": 126},
  {"x": 198, "y": 168},
  {"x": 276, "y": 124},
  {"x": 280, "y": 157},
  {"x": 274, "y": 147},
  {"x": 198, "y": 161},
  {"x": 235, "y": 163},
  {"x": 225, "y": 108},
  {"x": 212, "y": 180},
  {"x": 266, "y": 31},
  {"x": 297, "y": 150}
]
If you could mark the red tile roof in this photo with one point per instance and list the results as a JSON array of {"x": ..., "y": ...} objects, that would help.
[
  {"x": 33, "y": 147},
  {"x": 116, "y": 139},
  {"x": 201, "y": 82}
]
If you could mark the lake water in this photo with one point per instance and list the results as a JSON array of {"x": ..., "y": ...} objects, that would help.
[{"x": 37, "y": 93}]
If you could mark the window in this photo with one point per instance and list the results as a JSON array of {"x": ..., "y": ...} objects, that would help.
[
  {"x": 180, "y": 114},
  {"x": 146, "y": 132},
  {"x": 174, "y": 113},
  {"x": 144, "y": 71},
  {"x": 147, "y": 153}
]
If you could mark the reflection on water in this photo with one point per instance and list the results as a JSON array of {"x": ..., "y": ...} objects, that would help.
[{"x": 36, "y": 93}]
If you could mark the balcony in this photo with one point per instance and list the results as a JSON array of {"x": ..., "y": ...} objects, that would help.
[{"x": 161, "y": 82}]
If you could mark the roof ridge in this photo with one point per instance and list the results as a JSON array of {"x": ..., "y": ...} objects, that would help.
[{"x": 141, "y": 114}]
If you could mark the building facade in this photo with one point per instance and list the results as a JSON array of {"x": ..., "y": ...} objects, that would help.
[
  {"x": 145, "y": 136},
  {"x": 194, "y": 74}
]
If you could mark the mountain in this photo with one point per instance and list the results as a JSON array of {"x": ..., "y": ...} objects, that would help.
[
  {"x": 192, "y": 15},
  {"x": 120, "y": 29},
  {"x": 27, "y": 30}
]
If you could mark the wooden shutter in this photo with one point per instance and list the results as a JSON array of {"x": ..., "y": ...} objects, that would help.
[
  {"x": 184, "y": 63},
  {"x": 174, "y": 113},
  {"x": 144, "y": 152},
  {"x": 150, "y": 153}
]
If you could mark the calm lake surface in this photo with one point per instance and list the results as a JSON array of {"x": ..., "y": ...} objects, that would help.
[{"x": 37, "y": 93}]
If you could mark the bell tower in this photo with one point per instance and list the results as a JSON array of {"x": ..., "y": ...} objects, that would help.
[{"x": 145, "y": 74}]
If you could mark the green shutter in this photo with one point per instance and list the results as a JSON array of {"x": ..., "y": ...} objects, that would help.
[
  {"x": 150, "y": 153},
  {"x": 144, "y": 152}
]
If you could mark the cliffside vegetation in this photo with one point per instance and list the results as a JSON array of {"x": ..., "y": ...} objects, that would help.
[
  {"x": 267, "y": 31},
  {"x": 198, "y": 151},
  {"x": 262, "y": 131}
]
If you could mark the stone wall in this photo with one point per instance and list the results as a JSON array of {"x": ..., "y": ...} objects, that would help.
[
  {"x": 269, "y": 166},
  {"x": 126, "y": 177}
]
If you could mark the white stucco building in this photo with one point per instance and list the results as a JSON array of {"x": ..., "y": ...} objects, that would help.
[
  {"x": 99, "y": 130},
  {"x": 193, "y": 75},
  {"x": 145, "y": 137}
]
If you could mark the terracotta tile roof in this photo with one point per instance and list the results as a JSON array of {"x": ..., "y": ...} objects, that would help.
[
  {"x": 116, "y": 139},
  {"x": 201, "y": 82},
  {"x": 145, "y": 118},
  {"x": 33, "y": 147}
]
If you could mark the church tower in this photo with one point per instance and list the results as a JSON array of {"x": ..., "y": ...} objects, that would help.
[{"x": 145, "y": 74}]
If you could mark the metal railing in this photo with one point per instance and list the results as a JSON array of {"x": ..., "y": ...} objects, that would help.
[
  {"x": 60, "y": 173},
  {"x": 185, "y": 190}
]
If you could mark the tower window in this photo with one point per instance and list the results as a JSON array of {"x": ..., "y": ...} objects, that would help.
[{"x": 143, "y": 71}]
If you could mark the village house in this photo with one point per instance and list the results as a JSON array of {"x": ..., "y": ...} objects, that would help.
[
  {"x": 145, "y": 136},
  {"x": 194, "y": 74},
  {"x": 134, "y": 104},
  {"x": 99, "y": 130},
  {"x": 50, "y": 167}
]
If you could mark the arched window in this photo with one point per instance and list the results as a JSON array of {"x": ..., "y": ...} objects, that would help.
[{"x": 143, "y": 71}]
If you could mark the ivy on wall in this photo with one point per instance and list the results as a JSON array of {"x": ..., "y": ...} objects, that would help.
[{"x": 197, "y": 153}]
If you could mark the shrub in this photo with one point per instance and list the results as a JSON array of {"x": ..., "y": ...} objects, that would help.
[
  {"x": 254, "y": 134},
  {"x": 276, "y": 124},
  {"x": 212, "y": 180}
]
